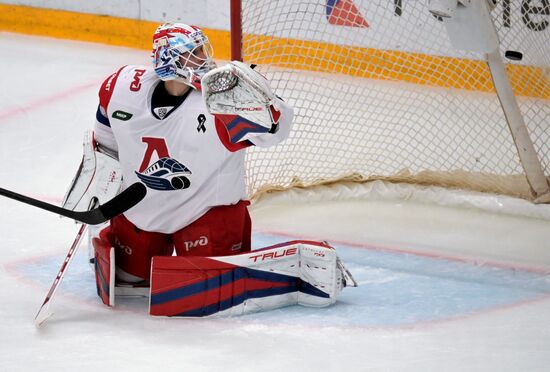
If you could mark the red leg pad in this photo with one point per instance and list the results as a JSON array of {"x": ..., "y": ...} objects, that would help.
[
  {"x": 180, "y": 285},
  {"x": 104, "y": 268}
]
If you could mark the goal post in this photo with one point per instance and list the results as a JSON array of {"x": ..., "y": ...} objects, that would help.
[
  {"x": 470, "y": 27},
  {"x": 518, "y": 130},
  {"x": 380, "y": 92}
]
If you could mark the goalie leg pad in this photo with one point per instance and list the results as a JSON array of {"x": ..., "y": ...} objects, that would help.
[
  {"x": 104, "y": 268},
  {"x": 134, "y": 247},
  {"x": 298, "y": 272},
  {"x": 201, "y": 286}
]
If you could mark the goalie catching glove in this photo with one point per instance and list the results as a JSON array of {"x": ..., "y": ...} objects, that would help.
[{"x": 236, "y": 89}]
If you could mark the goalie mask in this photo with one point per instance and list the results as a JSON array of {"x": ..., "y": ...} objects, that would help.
[{"x": 182, "y": 53}]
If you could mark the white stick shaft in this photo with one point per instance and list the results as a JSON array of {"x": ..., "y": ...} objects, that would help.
[{"x": 44, "y": 313}]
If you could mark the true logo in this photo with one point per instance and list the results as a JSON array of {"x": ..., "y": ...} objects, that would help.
[
  {"x": 201, "y": 127},
  {"x": 274, "y": 254},
  {"x": 121, "y": 115}
]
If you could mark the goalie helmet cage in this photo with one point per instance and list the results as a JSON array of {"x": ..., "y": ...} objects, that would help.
[{"x": 379, "y": 93}]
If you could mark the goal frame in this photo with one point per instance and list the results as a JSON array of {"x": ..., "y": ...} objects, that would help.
[{"x": 531, "y": 164}]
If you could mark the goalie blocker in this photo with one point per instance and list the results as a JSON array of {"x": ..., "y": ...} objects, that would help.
[{"x": 298, "y": 272}]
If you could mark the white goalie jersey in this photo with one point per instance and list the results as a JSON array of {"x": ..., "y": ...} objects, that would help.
[{"x": 190, "y": 160}]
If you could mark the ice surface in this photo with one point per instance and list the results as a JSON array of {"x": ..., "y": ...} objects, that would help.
[{"x": 440, "y": 289}]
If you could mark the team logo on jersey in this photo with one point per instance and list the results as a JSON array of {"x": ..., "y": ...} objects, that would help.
[
  {"x": 201, "y": 119},
  {"x": 121, "y": 115},
  {"x": 164, "y": 174}
]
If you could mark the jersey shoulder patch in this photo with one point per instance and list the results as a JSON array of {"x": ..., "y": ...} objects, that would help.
[
  {"x": 107, "y": 89},
  {"x": 130, "y": 78},
  {"x": 134, "y": 77}
]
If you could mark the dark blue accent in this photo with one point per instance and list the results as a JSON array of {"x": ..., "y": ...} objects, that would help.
[
  {"x": 307, "y": 288},
  {"x": 330, "y": 6},
  {"x": 257, "y": 128},
  {"x": 102, "y": 118},
  {"x": 104, "y": 285},
  {"x": 293, "y": 284},
  {"x": 214, "y": 308},
  {"x": 159, "y": 173},
  {"x": 172, "y": 165},
  {"x": 193, "y": 289},
  {"x": 163, "y": 167},
  {"x": 155, "y": 183},
  {"x": 237, "y": 300}
]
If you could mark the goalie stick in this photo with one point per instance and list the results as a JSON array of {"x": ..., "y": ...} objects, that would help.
[
  {"x": 118, "y": 205},
  {"x": 115, "y": 206},
  {"x": 44, "y": 312}
]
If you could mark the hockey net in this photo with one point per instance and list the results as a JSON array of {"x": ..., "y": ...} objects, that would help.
[{"x": 379, "y": 93}]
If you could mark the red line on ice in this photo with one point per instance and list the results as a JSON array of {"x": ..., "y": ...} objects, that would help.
[
  {"x": 41, "y": 102},
  {"x": 446, "y": 257}
]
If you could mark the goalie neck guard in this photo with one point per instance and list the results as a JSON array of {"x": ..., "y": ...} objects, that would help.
[{"x": 182, "y": 53}]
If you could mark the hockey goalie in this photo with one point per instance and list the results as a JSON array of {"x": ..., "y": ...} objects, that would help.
[{"x": 181, "y": 127}]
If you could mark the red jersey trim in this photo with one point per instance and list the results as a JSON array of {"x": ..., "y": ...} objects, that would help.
[{"x": 107, "y": 89}]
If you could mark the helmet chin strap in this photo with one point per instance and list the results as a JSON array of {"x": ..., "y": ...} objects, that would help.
[
  {"x": 187, "y": 76},
  {"x": 192, "y": 77}
]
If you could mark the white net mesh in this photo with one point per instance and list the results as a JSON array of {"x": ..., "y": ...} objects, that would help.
[{"x": 387, "y": 97}]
